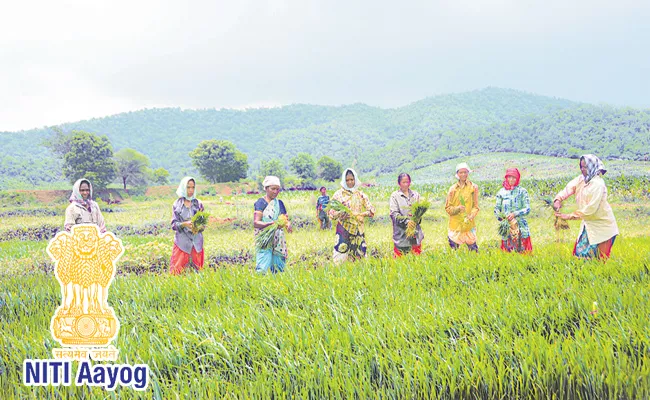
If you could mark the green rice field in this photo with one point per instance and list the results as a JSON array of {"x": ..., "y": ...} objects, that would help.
[{"x": 446, "y": 324}]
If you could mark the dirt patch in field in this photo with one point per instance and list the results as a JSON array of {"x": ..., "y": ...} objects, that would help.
[
  {"x": 221, "y": 221},
  {"x": 47, "y": 196}
]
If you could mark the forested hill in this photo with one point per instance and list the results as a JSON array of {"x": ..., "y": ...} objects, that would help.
[{"x": 381, "y": 140}]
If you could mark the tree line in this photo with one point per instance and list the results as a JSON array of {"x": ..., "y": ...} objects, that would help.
[{"x": 87, "y": 155}]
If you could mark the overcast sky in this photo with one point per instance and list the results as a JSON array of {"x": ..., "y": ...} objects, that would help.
[{"x": 63, "y": 61}]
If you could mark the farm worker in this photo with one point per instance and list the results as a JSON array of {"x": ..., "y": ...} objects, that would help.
[
  {"x": 82, "y": 209},
  {"x": 400, "y": 206},
  {"x": 512, "y": 200},
  {"x": 321, "y": 205},
  {"x": 188, "y": 245},
  {"x": 350, "y": 242},
  {"x": 462, "y": 207},
  {"x": 267, "y": 210},
  {"x": 598, "y": 229}
]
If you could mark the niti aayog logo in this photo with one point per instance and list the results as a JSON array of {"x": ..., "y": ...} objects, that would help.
[{"x": 84, "y": 324}]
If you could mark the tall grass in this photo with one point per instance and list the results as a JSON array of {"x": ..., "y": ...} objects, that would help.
[{"x": 445, "y": 325}]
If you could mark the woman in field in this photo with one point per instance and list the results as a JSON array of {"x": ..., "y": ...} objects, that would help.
[
  {"x": 513, "y": 204},
  {"x": 188, "y": 246},
  {"x": 462, "y": 207},
  {"x": 598, "y": 229},
  {"x": 82, "y": 209},
  {"x": 267, "y": 210},
  {"x": 350, "y": 237},
  {"x": 400, "y": 206}
]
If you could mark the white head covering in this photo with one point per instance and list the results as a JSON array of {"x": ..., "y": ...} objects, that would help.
[
  {"x": 76, "y": 196},
  {"x": 344, "y": 184},
  {"x": 462, "y": 166},
  {"x": 182, "y": 188},
  {"x": 271, "y": 181}
]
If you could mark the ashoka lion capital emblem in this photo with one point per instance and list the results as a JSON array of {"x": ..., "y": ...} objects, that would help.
[{"x": 84, "y": 266}]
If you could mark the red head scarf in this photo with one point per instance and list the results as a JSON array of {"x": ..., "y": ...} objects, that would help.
[{"x": 511, "y": 172}]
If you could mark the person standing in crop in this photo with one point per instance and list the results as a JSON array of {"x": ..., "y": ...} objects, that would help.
[
  {"x": 188, "y": 246},
  {"x": 513, "y": 202},
  {"x": 462, "y": 207},
  {"x": 82, "y": 209},
  {"x": 598, "y": 229},
  {"x": 267, "y": 210},
  {"x": 400, "y": 206},
  {"x": 350, "y": 243},
  {"x": 321, "y": 205}
]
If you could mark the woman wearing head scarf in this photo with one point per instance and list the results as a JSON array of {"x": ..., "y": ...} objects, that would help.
[
  {"x": 462, "y": 207},
  {"x": 598, "y": 229},
  {"x": 267, "y": 210},
  {"x": 188, "y": 246},
  {"x": 350, "y": 237},
  {"x": 513, "y": 202},
  {"x": 400, "y": 206},
  {"x": 82, "y": 209}
]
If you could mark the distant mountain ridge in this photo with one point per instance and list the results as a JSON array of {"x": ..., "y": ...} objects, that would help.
[{"x": 375, "y": 140}]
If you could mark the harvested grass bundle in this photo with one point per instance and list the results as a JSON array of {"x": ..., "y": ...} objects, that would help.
[
  {"x": 504, "y": 226},
  {"x": 418, "y": 209},
  {"x": 558, "y": 223},
  {"x": 338, "y": 206},
  {"x": 199, "y": 221},
  {"x": 264, "y": 240}
]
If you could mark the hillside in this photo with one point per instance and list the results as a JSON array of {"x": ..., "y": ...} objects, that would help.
[
  {"x": 488, "y": 167},
  {"x": 380, "y": 140}
]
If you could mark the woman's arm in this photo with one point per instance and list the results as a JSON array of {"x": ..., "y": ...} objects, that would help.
[
  {"x": 370, "y": 209},
  {"x": 177, "y": 223},
  {"x": 70, "y": 217},
  {"x": 525, "y": 200},
  {"x": 565, "y": 193},
  {"x": 257, "y": 221},
  {"x": 449, "y": 207},
  {"x": 474, "y": 211}
]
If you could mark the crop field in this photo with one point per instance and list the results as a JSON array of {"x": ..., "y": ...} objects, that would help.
[{"x": 442, "y": 325}]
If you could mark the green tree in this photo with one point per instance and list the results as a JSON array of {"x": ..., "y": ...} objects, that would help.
[
  {"x": 272, "y": 167},
  {"x": 219, "y": 161},
  {"x": 131, "y": 167},
  {"x": 91, "y": 157},
  {"x": 329, "y": 169},
  {"x": 160, "y": 176},
  {"x": 303, "y": 165},
  {"x": 59, "y": 143}
]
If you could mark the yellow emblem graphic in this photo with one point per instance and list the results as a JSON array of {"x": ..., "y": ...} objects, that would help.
[{"x": 84, "y": 266}]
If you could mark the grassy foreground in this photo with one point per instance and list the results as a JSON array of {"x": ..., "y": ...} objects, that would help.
[
  {"x": 443, "y": 325},
  {"x": 446, "y": 325}
]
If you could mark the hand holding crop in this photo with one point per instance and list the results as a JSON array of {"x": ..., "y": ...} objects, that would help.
[
  {"x": 511, "y": 216},
  {"x": 411, "y": 225}
]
